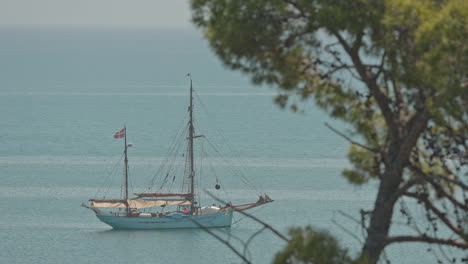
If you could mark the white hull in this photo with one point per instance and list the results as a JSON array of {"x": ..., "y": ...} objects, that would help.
[{"x": 218, "y": 219}]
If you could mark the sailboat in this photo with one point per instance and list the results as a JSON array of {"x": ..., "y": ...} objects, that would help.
[{"x": 146, "y": 209}]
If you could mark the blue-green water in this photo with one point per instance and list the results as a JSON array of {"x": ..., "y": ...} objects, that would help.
[{"x": 65, "y": 91}]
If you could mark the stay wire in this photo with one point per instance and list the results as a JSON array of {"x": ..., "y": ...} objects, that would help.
[
  {"x": 236, "y": 172},
  {"x": 172, "y": 164},
  {"x": 228, "y": 143},
  {"x": 221, "y": 156},
  {"x": 110, "y": 174},
  {"x": 160, "y": 167},
  {"x": 168, "y": 157},
  {"x": 200, "y": 172},
  {"x": 169, "y": 160},
  {"x": 173, "y": 167}
]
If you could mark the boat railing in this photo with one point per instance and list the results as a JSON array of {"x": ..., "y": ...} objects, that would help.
[{"x": 151, "y": 214}]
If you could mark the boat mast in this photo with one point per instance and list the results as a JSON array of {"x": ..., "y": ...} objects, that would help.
[
  {"x": 191, "y": 133},
  {"x": 126, "y": 169}
]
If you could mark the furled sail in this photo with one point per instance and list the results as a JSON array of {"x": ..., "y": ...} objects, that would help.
[
  {"x": 162, "y": 194},
  {"x": 135, "y": 203}
]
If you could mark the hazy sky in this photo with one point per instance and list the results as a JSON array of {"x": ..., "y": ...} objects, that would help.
[{"x": 146, "y": 13}]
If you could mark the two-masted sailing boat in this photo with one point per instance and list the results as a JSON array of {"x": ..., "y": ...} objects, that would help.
[{"x": 146, "y": 210}]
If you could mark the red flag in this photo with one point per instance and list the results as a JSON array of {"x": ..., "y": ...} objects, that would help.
[{"x": 120, "y": 134}]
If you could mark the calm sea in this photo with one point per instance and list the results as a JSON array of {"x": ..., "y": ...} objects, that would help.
[{"x": 65, "y": 91}]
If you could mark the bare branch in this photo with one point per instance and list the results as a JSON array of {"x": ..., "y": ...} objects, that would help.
[
  {"x": 338, "y": 60},
  {"x": 349, "y": 217},
  {"x": 252, "y": 237},
  {"x": 358, "y": 41},
  {"x": 367, "y": 77},
  {"x": 349, "y": 232},
  {"x": 438, "y": 188},
  {"x": 276, "y": 232},
  {"x": 350, "y": 140},
  {"x": 413, "y": 127},
  {"x": 220, "y": 239},
  {"x": 341, "y": 67},
  {"x": 439, "y": 214},
  {"x": 444, "y": 178},
  {"x": 380, "y": 67},
  {"x": 398, "y": 95},
  {"x": 426, "y": 239},
  {"x": 412, "y": 223},
  {"x": 297, "y": 7},
  {"x": 404, "y": 188}
]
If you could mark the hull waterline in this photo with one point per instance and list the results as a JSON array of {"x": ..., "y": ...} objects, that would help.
[{"x": 218, "y": 219}]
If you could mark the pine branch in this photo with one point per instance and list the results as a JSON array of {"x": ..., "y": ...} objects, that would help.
[
  {"x": 453, "y": 181},
  {"x": 440, "y": 190},
  {"x": 439, "y": 214},
  {"x": 368, "y": 78},
  {"x": 426, "y": 239},
  {"x": 350, "y": 140}
]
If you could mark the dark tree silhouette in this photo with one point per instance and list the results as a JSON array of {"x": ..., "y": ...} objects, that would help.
[{"x": 407, "y": 101}]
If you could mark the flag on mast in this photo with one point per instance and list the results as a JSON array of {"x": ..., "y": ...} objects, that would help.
[{"x": 120, "y": 134}]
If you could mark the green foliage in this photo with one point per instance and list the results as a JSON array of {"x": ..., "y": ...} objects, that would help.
[
  {"x": 421, "y": 46},
  {"x": 308, "y": 245},
  {"x": 366, "y": 165},
  {"x": 394, "y": 70}
]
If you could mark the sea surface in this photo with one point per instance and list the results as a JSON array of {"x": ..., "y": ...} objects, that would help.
[{"x": 64, "y": 91}]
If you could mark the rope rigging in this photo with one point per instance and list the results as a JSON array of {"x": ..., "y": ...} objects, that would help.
[
  {"x": 209, "y": 154},
  {"x": 231, "y": 149},
  {"x": 170, "y": 159},
  {"x": 109, "y": 177}
]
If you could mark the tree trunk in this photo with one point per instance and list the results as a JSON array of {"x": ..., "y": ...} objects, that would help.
[
  {"x": 398, "y": 153},
  {"x": 383, "y": 211}
]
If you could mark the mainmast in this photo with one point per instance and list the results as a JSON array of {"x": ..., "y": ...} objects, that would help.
[
  {"x": 126, "y": 169},
  {"x": 191, "y": 136}
]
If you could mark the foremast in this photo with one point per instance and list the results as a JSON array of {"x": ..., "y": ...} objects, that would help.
[
  {"x": 126, "y": 171},
  {"x": 191, "y": 158}
]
